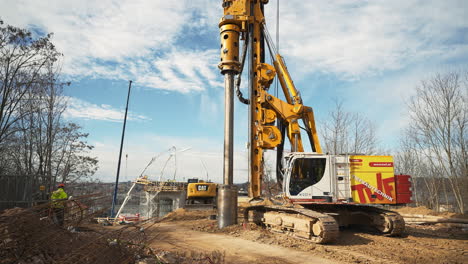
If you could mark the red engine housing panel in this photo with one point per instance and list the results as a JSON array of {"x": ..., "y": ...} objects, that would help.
[{"x": 403, "y": 189}]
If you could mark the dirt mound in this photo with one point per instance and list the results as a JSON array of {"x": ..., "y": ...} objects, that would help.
[
  {"x": 26, "y": 236},
  {"x": 416, "y": 210},
  {"x": 247, "y": 204},
  {"x": 29, "y": 236},
  {"x": 182, "y": 214},
  {"x": 212, "y": 227},
  {"x": 422, "y": 210}
]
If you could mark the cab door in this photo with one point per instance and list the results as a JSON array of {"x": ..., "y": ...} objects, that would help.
[{"x": 308, "y": 178}]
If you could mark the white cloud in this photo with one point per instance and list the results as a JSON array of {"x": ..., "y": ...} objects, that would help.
[
  {"x": 77, "y": 108},
  {"x": 353, "y": 39},
  {"x": 136, "y": 39},
  {"x": 180, "y": 70},
  {"x": 128, "y": 39}
]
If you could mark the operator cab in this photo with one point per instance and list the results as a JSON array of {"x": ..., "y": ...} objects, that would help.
[
  {"x": 307, "y": 176},
  {"x": 193, "y": 180}
]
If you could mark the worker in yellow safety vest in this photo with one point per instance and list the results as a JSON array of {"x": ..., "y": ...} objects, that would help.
[{"x": 58, "y": 204}]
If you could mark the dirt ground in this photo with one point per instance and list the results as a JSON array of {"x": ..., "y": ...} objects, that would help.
[
  {"x": 175, "y": 237},
  {"x": 192, "y": 237},
  {"x": 183, "y": 231},
  {"x": 27, "y": 236}
]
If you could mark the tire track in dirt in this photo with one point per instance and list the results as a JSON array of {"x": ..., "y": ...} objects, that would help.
[{"x": 174, "y": 237}]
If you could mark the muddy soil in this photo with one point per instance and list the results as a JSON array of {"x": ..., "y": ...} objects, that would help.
[{"x": 420, "y": 244}]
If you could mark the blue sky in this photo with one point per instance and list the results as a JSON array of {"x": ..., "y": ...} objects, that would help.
[{"x": 371, "y": 54}]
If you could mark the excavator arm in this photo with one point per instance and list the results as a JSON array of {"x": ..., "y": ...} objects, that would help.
[{"x": 244, "y": 20}]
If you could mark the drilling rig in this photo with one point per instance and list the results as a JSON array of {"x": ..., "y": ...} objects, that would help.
[{"x": 322, "y": 192}]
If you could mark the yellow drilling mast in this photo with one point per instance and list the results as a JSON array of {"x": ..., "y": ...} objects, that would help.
[
  {"x": 244, "y": 19},
  {"x": 331, "y": 190}
]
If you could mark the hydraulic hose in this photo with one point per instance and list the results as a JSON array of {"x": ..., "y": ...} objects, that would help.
[{"x": 238, "y": 80}]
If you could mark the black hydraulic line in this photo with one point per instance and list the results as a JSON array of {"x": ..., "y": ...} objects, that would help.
[
  {"x": 238, "y": 80},
  {"x": 309, "y": 134},
  {"x": 279, "y": 151},
  {"x": 114, "y": 199}
]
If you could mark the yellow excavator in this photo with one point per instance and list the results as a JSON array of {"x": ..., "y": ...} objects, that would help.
[
  {"x": 322, "y": 192},
  {"x": 201, "y": 195}
]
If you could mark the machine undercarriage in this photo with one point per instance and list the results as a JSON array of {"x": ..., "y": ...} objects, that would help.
[{"x": 320, "y": 223}]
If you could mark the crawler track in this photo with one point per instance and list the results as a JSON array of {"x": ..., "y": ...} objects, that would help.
[
  {"x": 393, "y": 223},
  {"x": 319, "y": 223},
  {"x": 306, "y": 224},
  {"x": 386, "y": 222}
]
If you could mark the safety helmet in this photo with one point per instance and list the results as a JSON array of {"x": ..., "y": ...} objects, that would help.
[{"x": 61, "y": 185}]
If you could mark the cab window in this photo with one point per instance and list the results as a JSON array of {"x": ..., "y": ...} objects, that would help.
[{"x": 306, "y": 172}]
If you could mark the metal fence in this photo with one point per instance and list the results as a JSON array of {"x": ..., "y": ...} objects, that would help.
[
  {"x": 26, "y": 191},
  {"x": 21, "y": 191}
]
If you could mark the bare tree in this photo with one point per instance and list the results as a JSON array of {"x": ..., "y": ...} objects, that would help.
[
  {"x": 36, "y": 143},
  {"x": 426, "y": 187},
  {"x": 49, "y": 148},
  {"x": 70, "y": 159},
  {"x": 347, "y": 132},
  {"x": 270, "y": 186},
  {"x": 438, "y": 132},
  {"x": 22, "y": 61}
]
